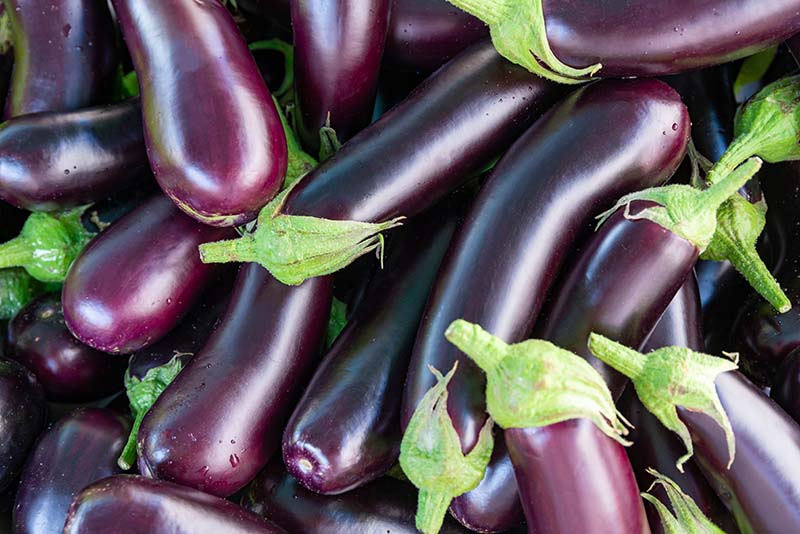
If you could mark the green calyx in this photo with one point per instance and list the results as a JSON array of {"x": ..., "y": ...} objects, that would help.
[
  {"x": 670, "y": 377},
  {"x": 336, "y": 322},
  {"x": 142, "y": 394},
  {"x": 431, "y": 457},
  {"x": 47, "y": 244},
  {"x": 329, "y": 143},
  {"x": 688, "y": 518},
  {"x": 535, "y": 383},
  {"x": 300, "y": 163},
  {"x": 287, "y": 51},
  {"x": 17, "y": 288},
  {"x": 294, "y": 248},
  {"x": 519, "y": 33},
  {"x": 684, "y": 210}
]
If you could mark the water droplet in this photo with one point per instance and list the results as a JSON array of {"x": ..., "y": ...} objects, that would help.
[
  {"x": 674, "y": 126},
  {"x": 233, "y": 442}
]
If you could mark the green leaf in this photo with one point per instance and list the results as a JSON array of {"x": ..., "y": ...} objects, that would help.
[{"x": 688, "y": 518}]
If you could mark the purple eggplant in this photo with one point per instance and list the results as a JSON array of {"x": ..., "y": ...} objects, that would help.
[
  {"x": 121, "y": 305},
  {"x": 213, "y": 135},
  {"x": 64, "y": 55},
  {"x": 81, "y": 448},
  {"x": 60, "y": 160},
  {"x": 506, "y": 290},
  {"x": 68, "y": 370},
  {"x": 360, "y": 381},
  {"x": 25, "y": 413},
  {"x": 130, "y": 504},
  {"x": 338, "y": 48},
  {"x": 384, "y": 505}
]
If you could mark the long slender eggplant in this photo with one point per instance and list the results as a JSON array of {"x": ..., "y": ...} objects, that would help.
[
  {"x": 64, "y": 55},
  {"x": 59, "y": 160},
  {"x": 338, "y": 49},
  {"x": 213, "y": 135},
  {"x": 81, "y": 448},
  {"x": 506, "y": 290},
  {"x": 360, "y": 381},
  {"x": 120, "y": 305},
  {"x": 384, "y": 505},
  {"x": 68, "y": 370},
  {"x": 25, "y": 413},
  {"x": 130, "y": 504}
]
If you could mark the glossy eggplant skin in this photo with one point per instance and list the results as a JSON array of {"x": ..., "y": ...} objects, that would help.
[
  {"x": 68, "y": 370},
  {"x": 218, "y": 423},
  {"x": 345, "y": 431},
  {"x": 25, "y": 413},
  {"x": 64, "y": 55},
  {"x": 59, "y": 160},
  {"x": 653, "y": 38},
  {"x": 338, "y": 49},
  {"x": 427, "y": 145},
  {"x": 384, "y": 505},
  {"x": 425, "y": 34},
  {"x": 79, "y": 449},
  {"x": 133, "y": 283},
  {"x": 131, "y": 504},
  {"x": 786, "y": 388},
  {"x": 540, "y": 179},
  {"x": 213, "y": 135}
]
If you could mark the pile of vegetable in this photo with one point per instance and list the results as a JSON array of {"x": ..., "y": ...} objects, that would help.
[{"x": 384, "y": 266}]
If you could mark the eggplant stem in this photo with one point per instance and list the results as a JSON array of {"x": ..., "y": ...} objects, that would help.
[
  {"x": 17, "y": 252},
  {"x": 482, "y": 347},
  {"x": 431, "y": 510},
  {"x": 625, "y": 360}
]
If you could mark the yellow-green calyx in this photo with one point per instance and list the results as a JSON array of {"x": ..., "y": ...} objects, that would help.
[
  {"x": 431, "y": 457},
  {"x": 687, "y": 517},
  {"x": 668, "y": 378},
  {"x": 519, "y": 34},
  {"x": 535, "y": 383}
]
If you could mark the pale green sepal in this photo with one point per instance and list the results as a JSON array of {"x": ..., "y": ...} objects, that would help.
[
  {"x": 519, "y": 33},
  {"x": 47, "y": 244},
  {"x": 336, "y": 322},
  {"x": 535, "y": 383},
  {"x": 688, "y": 518},
  {"x": 752, "y": 71},
  {"x": 739, "y": 223},
  {"x": 294, "y": 248},
  {"x": 299, "y": 162},
  {"x": 431, "y": 457},
  {"x": 670, "y": 377},
  {"x": 142, "y": 394},
  {"x": 688, "y": 212},
  {"x": 329, "y": 143}
]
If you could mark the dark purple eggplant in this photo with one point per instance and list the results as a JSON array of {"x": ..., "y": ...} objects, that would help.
[
  {"x": 213, "y": 135},
  {"x": 60, "y": 160},
  {"x": 133, "y": 283},
  {"x": 81, "y": 448},
  {"x": 786, "y": 388},
  {"x": 64, "y": 55},
  {"x": 130, "y": 504},
  {"x": 24, "y": 410},
  {"x": 359, "y": 384},
  {"x": 424, "y": 34},
  {"x": 68, "y": 370},
  {"x": 338, "y": 46},
  {"x": 384, "y": 505},
  {"x": 506, "y": 290}
]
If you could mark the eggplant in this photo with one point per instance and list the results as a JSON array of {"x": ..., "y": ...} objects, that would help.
[
  {"x": 125, "y": 308},
  {"x": 507, "y": 289},
  {"x": 6, "y": 53},
  {"x": 79, "y": 449},
  {"x": 64, "y": 55},
  {"x": 359, "y": 383},
  {"x": 338, "y": 46},
  {"x": 134, "y": 504},
  {"x": 786, "y": 388},
  {"x": 68, "y": 370},
  {"x": 213, "y": 135},
  {"x": 384, "y": 505},
  {"x": 60, "y": 160},
  {"x": 25, "y": 413}
]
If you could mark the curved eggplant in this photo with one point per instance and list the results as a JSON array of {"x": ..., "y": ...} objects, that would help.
[
  {"x": 68, "y": 370},
  {"x": 120, "y": 308},
  {"x": 78, "y": 450},
  {"x": 130, "y": 504},
  {"x": 338, "y": 48},
  {"x": 64, "y": 55},
  {"x": 60, "y": 160},
  {"x": 213, "y": 135}
]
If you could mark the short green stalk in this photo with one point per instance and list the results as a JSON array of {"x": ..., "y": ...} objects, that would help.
[{"x": 687, "y": 518}]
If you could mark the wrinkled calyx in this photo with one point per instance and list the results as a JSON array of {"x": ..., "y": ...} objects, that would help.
[
  {"x": 535, "y": 383},
  {"x": 687, "y": 517},
  {"x": 670, "y": 377}
]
